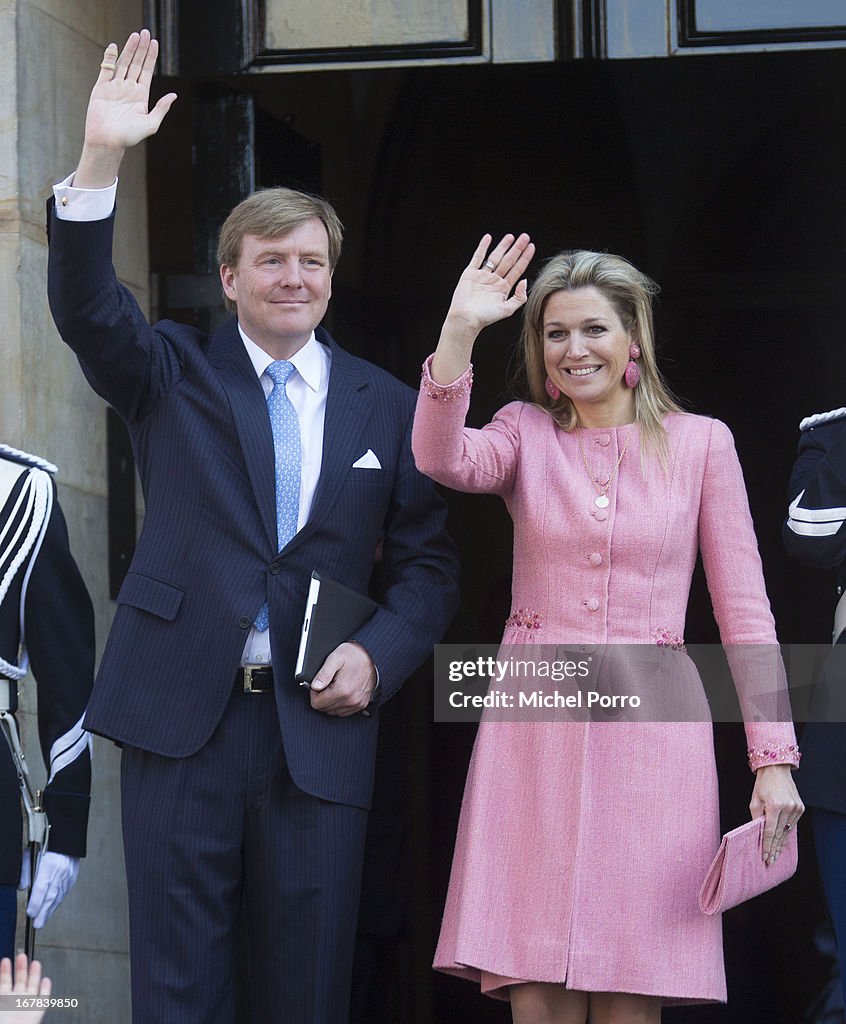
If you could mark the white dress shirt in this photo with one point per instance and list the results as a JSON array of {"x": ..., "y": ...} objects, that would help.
[{"x": 307, "y": 389}]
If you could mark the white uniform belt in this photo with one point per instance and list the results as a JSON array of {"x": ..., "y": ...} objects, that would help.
[{"x": 8, "y": 688}]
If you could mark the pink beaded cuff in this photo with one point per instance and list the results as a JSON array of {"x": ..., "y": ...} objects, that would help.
[
  {"x": 446, "y": 392},
  {"x": 524, "y": 618},
  {"x": 760, "y": 757}
]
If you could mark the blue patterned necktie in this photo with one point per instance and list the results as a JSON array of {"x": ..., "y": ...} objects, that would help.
[{"x": 288, "y": 455}]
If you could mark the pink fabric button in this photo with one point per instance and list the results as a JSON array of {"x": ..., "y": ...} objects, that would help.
[
  {"x": 596, "y": 558},
  {"x": 604, "y": 440},
  {"x": 600, "y": 514},
  {"x": 593, "y": 604}
]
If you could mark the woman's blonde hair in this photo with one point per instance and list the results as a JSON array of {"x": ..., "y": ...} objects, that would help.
[{"x": 630, "y": 292}]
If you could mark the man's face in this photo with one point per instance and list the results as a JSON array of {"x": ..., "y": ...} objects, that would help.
[{"x": 281, "y": 287}]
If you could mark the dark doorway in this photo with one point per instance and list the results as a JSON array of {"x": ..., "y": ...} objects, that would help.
[{"x": 721, "y": 177}]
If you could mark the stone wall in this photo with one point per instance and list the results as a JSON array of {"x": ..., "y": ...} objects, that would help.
[{"x": 49, "y": 60}]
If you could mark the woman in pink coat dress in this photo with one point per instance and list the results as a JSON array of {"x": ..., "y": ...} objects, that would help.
[{"x": 582, "y": 845}]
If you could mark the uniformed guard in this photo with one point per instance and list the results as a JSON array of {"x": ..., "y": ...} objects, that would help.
[
  {"x": 46, "y": 623},
  {"x": 814, "y": 534}
]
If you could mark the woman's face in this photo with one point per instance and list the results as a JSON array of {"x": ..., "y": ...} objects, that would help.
[{"x": 585, "y": 352}]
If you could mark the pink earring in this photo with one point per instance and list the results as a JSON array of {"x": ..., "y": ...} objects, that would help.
[
  {"x": 552, "y": 390},
  {"x": 632, "y": 371}
]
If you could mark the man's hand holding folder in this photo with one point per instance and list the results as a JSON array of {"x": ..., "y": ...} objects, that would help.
[
  {"x": 345, "y": 682},
  {"x": 339, "y": 672}
]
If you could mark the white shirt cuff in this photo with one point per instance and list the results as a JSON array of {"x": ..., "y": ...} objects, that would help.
[{"x": 84, "y": 203}]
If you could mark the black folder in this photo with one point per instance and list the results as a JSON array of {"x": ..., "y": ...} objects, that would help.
[{"x": 333, "y": 614}]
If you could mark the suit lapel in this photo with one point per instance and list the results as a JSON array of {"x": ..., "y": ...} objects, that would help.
[{"x": 249, "y": 410}]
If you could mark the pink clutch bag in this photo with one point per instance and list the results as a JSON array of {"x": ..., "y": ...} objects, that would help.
[{"x": 737, "y": 873}]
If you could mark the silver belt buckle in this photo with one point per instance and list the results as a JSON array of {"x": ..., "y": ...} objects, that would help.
[{"x": 248, "y": 677}]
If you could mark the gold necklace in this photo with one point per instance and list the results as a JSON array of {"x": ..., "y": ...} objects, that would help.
[{"x": 602, "y": 500}]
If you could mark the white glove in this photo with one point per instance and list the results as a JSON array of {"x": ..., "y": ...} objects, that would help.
[{"x": 54, "y": 879}]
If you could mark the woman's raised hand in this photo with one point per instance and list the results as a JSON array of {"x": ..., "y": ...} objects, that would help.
[{"x": 492, "y": 286}]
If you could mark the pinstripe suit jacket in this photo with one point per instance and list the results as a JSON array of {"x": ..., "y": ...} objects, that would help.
[{"x": 207, "y": 556}]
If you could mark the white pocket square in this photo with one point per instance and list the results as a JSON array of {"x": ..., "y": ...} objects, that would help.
[{"x": 367, "y": 461}]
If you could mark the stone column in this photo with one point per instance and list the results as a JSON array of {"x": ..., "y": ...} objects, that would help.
[{"x": 49, "y": 60}]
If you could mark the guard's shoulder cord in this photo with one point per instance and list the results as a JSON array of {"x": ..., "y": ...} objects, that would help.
[
  {"x": 820, "y": 419},
  {"x": 22, "y": 535}
]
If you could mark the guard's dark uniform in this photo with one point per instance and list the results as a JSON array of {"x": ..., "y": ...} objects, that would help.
[
  {"x": 814, "y": 534},
  {"x": 814, "y": 531},
  {"x": 58, "y": 635}
]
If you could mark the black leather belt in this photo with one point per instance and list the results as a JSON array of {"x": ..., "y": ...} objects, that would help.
[{"x": 254, "y": 679}]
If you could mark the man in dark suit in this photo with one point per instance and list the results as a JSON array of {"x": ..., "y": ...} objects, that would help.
[
  {"x": 265, "y": 452},
  {"x": 46, "y": 622}
]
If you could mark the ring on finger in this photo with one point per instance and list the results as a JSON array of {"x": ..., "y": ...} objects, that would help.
[
  {"x": 490, "y": 265},
  {"x": 787, "y": 827},
  {"x": 107, "y": 65}
]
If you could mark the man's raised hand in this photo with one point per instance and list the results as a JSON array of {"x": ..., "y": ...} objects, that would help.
[{"x": 118, "y": 114}]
